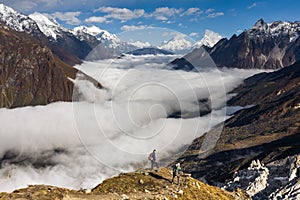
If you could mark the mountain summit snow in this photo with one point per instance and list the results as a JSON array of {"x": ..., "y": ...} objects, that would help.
[
  {"x": 181, "y": 44},
  {"x": 178, "y": 44},
  {"x": 110, "y": 41},
  {"x": 49, "y": 26},
  {"x": 276, "y": 29},
  {"x": 209, "y": 39},
  {"x": 17, "y": 21}
]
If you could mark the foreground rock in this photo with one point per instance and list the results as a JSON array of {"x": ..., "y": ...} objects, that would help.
[
  {"x": 136, "y": 185},
  {"x": 276, "y": 180}
]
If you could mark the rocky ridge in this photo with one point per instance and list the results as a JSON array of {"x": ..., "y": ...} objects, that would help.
[{"x": 142, "y": 184}]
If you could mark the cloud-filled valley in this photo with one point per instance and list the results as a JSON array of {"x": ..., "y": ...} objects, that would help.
[{"x": 104, "y": 131}]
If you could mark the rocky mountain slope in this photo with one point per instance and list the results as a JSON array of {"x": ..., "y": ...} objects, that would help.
[
  {"x": 265, "y": 46},
  {"x": 268, "y": 130},
  {"x": 142, "y": 184},
  {"x": 30, "y": 74}
]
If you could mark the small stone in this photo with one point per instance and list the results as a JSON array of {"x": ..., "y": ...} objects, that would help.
[
  {"x": 124, "y": 197},
  {"x": 88, "y": 191},
  {"x": 165, "y": 186},
  {"x": 180, "y": 192},
  {"x": 166, "y": 198},
  {"x": 147, "y": 191},
  {"x": 141, "y": 181},
  {"x": 175, "y": 196}
]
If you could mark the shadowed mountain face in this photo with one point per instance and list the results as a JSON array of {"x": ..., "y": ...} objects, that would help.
[
  {"x": 30, "y": 74},
  {"x": 268, "y": 131},
  {"x": 197, "y": 60}
]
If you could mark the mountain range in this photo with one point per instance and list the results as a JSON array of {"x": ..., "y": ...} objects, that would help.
[
  {"x": 181, "y": 44},
  {"x": 264, "y": 46}
]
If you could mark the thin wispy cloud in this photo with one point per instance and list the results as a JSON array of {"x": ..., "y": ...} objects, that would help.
[
  {"x": 132, "y": 28},
  {"x": 209, "y": 10},
  {"x": 70, "y": 18},
  {"x": 216, "y": 14},
  {"x": 95, "y": 19},
  {"x": 123, "y": 14},
  {"x": 161, "y": 18},
  {"x": 194, "y": 34},
  {"x": 28, "y": 5},
  {"x": 163, "y": 13},
  {"x": 252, "y": 6},
  {"x": 192, "y": 11}
]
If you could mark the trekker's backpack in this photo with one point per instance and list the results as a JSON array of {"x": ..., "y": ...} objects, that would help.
[
  {"x": 150, "y": 157},
  {"x": 174, "y": 169}
]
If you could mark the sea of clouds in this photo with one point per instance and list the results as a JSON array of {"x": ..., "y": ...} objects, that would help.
[{"x": 111, "y": 129}]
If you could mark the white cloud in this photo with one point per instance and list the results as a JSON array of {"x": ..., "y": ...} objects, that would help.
[
  {"x": 161, "y": 18},
  {"x": 192, "y": 11},
  {"x": 123, "y": 14},
  {"x": 209, "y": 10},
  {"x": 131, "y": 28},
  {"x": 194, "y": 34},
  {"x": 252, "y": 6},
  {"x": 166, "y": 11},
  {"x": 216, "y": 14},
  {"x": 173, "y": 34},
  {"x": 29, "y": 5},
  {"x": 96, "y": 19},
  {"x": 163, "y": 13},
  {"x": 68, "y": 17}
]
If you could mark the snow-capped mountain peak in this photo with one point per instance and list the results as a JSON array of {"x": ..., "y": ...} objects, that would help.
[
  {"x": 275, "y": 29},
  {"x": 49, "y": 26},
  {"x": 140, "y": 44},
  {"x": 209, "y": 39},
  {"x": 109, "y": 40},
  {"x": 17, "y": 21},
  {"x": 178, "y": 43},
  {"x": 103, "y": 36},
  {"x": 92, "y": 30}
]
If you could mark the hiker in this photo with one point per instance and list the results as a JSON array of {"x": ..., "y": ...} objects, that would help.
[
  {"x": 176, "y": 172},
  {"x": 152, "y": 158}
]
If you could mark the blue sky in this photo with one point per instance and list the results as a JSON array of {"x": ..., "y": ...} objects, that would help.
[{"x": 190, "y": 17}]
